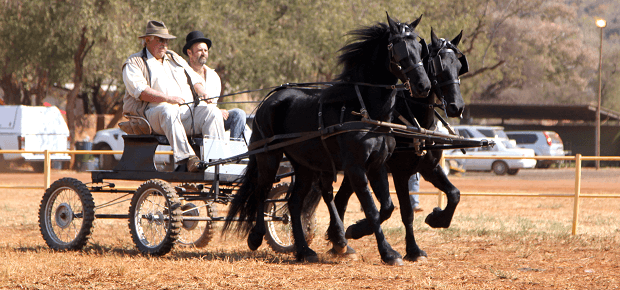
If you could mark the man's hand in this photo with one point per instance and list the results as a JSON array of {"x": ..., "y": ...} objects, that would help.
[
  {"x": 151, "y": 95},
  {"x": 224, "y": 114},
  {"x": 175, "y": 100}
]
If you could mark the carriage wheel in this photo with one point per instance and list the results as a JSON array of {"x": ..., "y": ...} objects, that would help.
[
  {"x": 279, "y": 234},
  {"x": 155, "y": 217},
  {"x": 196, "y": 233},
  {"x": 66, "y": 215}
]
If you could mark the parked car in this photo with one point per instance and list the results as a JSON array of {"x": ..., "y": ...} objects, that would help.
[
  {"x": 503, "y": 147},
  {"x": 544, "y": 143},
  {"x": 32, "y": 128},
  {"x": 476, "y": 131}
]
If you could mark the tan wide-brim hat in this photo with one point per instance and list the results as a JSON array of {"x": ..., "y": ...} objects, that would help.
[{"x": 157, "y": 28}]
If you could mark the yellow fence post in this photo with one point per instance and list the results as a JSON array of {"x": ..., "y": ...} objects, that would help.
[
  {"x": 47, "y": 167},
  {"x": 577, "y": 192}
]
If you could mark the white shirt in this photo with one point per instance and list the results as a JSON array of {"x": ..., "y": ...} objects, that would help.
[
  {"x": 167, "y": 77},
  {"x": 213, "y": 83}
]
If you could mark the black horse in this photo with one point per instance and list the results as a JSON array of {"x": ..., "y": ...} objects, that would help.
[
  {"x": 445, "y": 63},
  {"x": 373, "y": 63}
]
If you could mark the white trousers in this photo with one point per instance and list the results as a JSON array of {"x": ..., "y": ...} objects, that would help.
[{"x": 175, "y": 122}]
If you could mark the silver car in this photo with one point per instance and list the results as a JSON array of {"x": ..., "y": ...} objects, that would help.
[
  {"x": 544, "y": 143},
  {"x": 502, "y": 147}
]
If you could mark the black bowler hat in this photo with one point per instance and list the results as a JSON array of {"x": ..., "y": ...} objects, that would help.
[{"x": 195, "y": 37}]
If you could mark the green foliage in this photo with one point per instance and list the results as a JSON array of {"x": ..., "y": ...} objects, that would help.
[{"x": 519, "y": 51}]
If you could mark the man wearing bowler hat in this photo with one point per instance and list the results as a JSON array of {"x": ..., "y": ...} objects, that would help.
[
  {"x": 158, "y": 82},
  {"x": 197, "y": 48}
]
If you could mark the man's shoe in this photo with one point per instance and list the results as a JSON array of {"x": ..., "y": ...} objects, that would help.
[
  {"x": 417, "y": 209},
  {"x": 193, "y": 164}
]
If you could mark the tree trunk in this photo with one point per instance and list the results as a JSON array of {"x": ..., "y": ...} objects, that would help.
[
  {"x": 12, "y": 90},
  {"x": 78, "y": 77}
]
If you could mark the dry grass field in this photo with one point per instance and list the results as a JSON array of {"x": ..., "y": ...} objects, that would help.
[{"x": 493, "y": 243}]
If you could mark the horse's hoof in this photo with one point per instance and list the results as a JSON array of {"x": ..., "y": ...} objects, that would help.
[
  {"x": 434, "y": 218},
  {"x": 338, "y": 250},
  {"x": 395, "y": 262},
  {"x": 347, "y": 252},
  {"x": 418, "y": 259},
  {"x": 309, "y": 259},
  {"x": 349, "y": 233},
  {"x": 254, "y": 241}
]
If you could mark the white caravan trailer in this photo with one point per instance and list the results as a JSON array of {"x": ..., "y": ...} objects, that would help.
[{"x": 32, "y": 129}]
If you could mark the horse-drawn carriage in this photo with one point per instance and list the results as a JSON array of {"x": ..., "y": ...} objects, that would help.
[
  {"x": 355, "y": 135},
  {"x": 160, "y": 213}
]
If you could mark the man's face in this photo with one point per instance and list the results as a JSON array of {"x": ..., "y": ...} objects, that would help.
[
  {"x": 198, "y": 53},
  {"x": 157, "y": 46}
]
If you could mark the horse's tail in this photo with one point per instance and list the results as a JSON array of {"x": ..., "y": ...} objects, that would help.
[
  {"x": 311, "y": 201},
  {"x": 246, "y": 201}
]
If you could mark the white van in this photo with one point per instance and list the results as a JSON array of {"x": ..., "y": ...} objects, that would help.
[{"x": 32, "y": 129}]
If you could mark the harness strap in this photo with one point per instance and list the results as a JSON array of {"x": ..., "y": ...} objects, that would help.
[
  {"x": 363, "y": 110},
  {"x": 450, "y": 82},
  {"x": 327, "y": 132},
  {"x": 320, "y": 115}
]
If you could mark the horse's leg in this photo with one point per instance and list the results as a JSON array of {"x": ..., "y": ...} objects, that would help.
[
  {"x": 335, "y": 231},
  {"x": 380, "y": 185},
  {"x": 401, "y": 184},
  {"x": 362, "y": 228},
  {"x": 268, "y": 165},
  {"x": 301, "y": 188},
  {"x": 342, "y": 197},
  {"x": 442, "y": 218}
]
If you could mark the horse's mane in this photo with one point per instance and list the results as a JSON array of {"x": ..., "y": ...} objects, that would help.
[{"x": 361, "y": 49}]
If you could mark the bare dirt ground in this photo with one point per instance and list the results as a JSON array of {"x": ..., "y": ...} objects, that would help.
[{"x": 493, "y": 243}]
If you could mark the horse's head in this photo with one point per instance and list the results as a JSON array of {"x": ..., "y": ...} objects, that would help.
[
  {"x": 406, "y": 55},
  {"x": 444, "y": 64}
]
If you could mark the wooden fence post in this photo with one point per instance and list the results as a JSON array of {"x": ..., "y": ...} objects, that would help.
[
  {"x": 577, "y": 192},
  {"x": 47, "y": 167}
]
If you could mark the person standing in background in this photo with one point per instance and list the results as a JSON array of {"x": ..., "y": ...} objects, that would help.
[{"x": 414, "y": 186}]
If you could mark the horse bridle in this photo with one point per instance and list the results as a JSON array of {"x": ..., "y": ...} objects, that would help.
[
  {"x": 398, "y": 51},
  {"x": 434, "y": 67}
]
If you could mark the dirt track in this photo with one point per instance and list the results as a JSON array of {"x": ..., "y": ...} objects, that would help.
[{"x": 493, "y": 243}]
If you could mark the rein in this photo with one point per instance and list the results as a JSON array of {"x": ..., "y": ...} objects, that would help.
[{"x": 307, "y": 86}]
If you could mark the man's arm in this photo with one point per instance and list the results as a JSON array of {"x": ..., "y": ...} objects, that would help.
[
  {"x": 200, "y": 91},
  {"x": 153, "y": 96},
  {"x": 138, "y": 87}
]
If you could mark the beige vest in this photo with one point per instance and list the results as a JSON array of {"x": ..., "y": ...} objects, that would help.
[{"x": 131, "y": 105}]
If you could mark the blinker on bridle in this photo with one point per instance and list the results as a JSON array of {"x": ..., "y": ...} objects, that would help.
[
  {"x": 398, "y": 51},
  {"x": 435, "y": 67}
]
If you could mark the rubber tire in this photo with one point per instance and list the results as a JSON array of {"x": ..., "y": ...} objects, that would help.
[
  {"x": 187, "y": 227},
  {"x": 106, "y": 161},
  {"x": 499, "y": 167},
  {"x": 170, "y": 210},
  {"x": 280, "y": 237},
  {"x": 50, "y": 229},
  {"x": 513, "y": 171}
]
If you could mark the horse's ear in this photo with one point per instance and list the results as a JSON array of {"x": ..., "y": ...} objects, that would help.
[
  {"x": 392, "y": 23},
  {"x": 434, "y": 39},
  {"x": 457, "y": 39},
  {"x": 415, "y": 23}
]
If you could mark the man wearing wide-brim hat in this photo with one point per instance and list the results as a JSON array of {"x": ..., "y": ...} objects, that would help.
[
  {"x": 197, "y": 48},
  {"x": 159, "y": 84}
]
